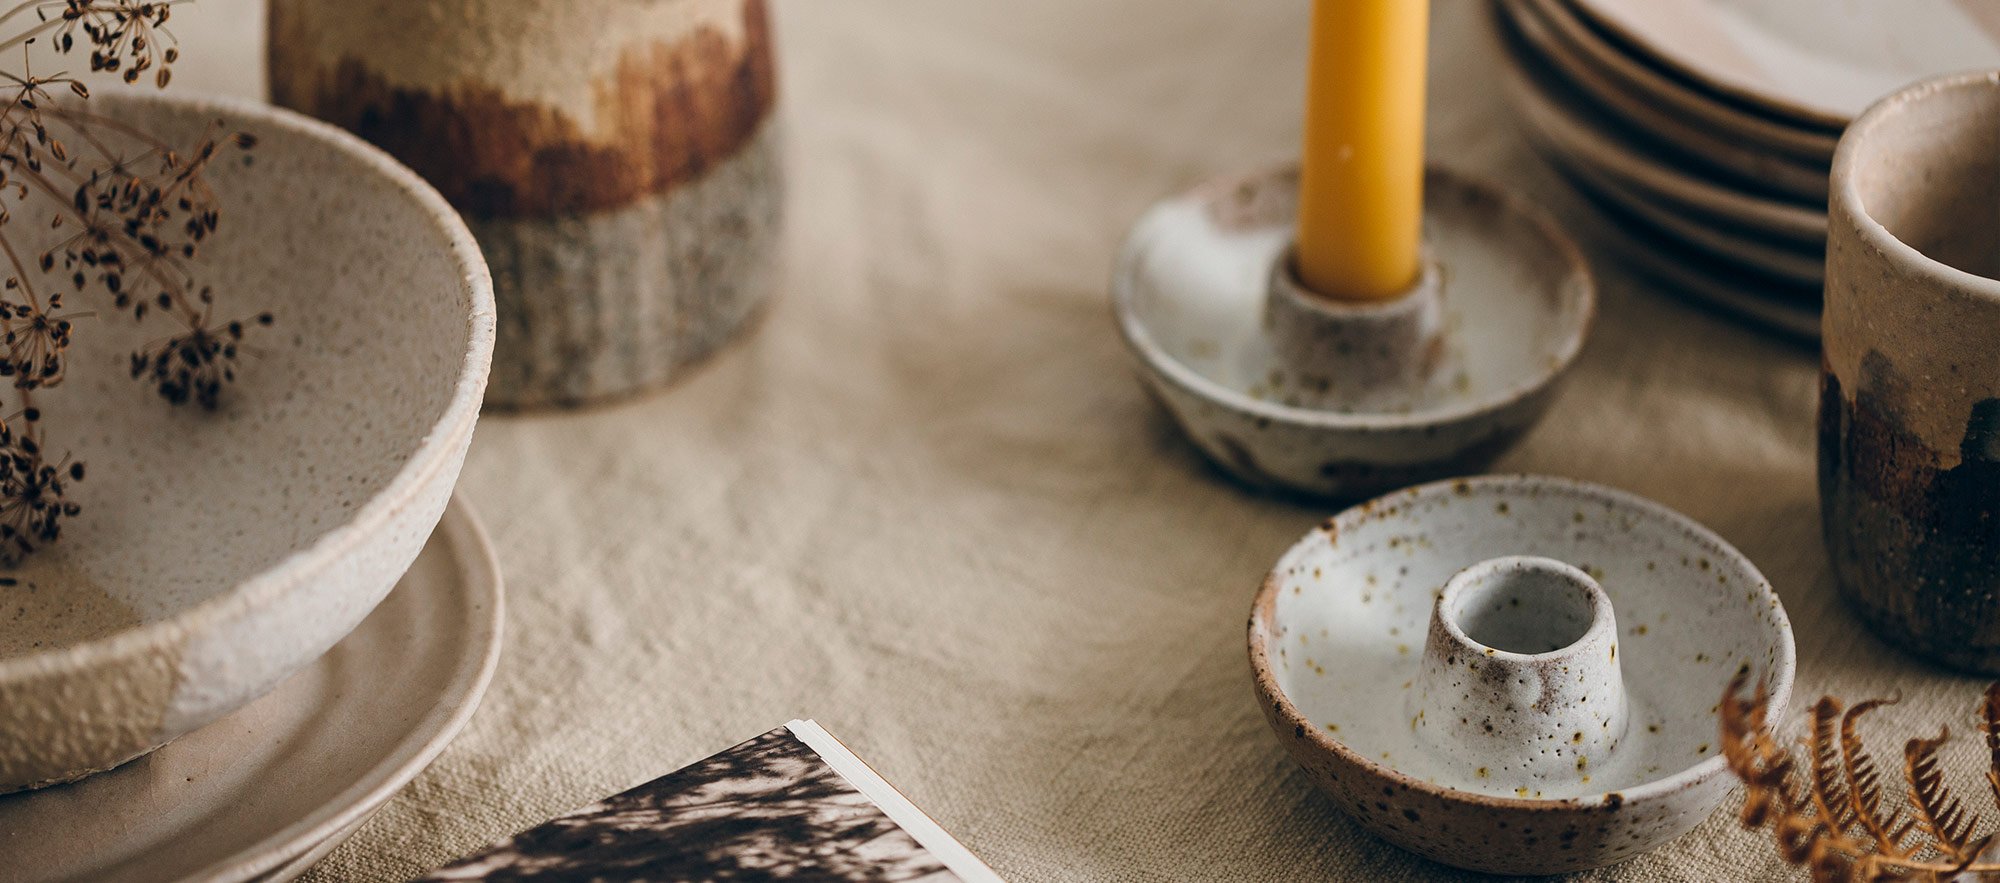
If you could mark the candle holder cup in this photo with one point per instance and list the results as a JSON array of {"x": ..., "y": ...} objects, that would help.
[
  {"x": 1286, "y": 389},
  {"x": 1356, "y": 356},
  {"x": 1520, "y": 675}
]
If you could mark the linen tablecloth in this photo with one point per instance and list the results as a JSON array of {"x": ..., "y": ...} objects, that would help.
[{"x": 928, "y": 505}]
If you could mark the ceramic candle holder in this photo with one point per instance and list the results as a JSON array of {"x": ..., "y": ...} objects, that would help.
[
  {"x": 1909, "y": 464},
  {"x": 1514, "y": 674},
  {"x": 1285, "y": 389}
]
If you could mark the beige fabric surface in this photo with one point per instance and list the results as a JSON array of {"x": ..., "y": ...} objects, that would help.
[{"x": 928, "y": 505}]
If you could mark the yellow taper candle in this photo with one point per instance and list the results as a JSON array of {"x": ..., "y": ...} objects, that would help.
[{"x": 1361, "y": 183}]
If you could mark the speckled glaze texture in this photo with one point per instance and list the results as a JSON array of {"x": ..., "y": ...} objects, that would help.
[
  {"x": 218, "y": 553},
  {"x": 344, "y": 735},
  {"x": 1351, "y": 356},
  {"x": 620, "y": 169},
  {"x": 1520, "y": 676},
  {"x": 1909, "y": 460},
  {"x": 1191, "y": 292},
  {"x": 1344, "y": 632}
]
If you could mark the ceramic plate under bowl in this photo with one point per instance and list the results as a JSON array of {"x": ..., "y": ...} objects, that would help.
[
  {"x": 1808, "y": 61},
  {"x": 1561, "y": 124},
  {"x": 1189, "y": 293},
  {"x": 1337, "y": 635},
  {"x": 219, "y": 552},
  {"x": 262, "y": 792}
]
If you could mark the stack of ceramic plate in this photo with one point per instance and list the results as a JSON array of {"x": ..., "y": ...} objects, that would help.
[{"x": 1706, "y": 128}]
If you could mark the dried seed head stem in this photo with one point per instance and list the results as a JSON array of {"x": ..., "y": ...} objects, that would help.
[{"x": 126, "y": 214}]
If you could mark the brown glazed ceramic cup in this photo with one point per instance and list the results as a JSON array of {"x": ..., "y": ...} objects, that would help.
[
  {"x": 1909, "y": 450},
  {"x": 618, "y": 161}
]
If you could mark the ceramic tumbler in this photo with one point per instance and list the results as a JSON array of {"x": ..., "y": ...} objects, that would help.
[
  {"x": 1909, "y": 452},
  {"x": 617, "y": 160}
]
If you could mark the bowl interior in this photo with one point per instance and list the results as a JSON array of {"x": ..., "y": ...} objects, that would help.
[
  {"x": 1346, "y": 628},
  {"x": 1196, "y": 272},
  {"x": 372, "y": 328}
]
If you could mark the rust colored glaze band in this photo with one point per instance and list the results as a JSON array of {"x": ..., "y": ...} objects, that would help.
[{"x": 670, "y": 111}]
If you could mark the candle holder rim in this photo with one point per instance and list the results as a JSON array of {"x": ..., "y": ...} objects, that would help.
[
  {"x": 1576, "y": 274},
  {"x": 1602, "y": 615},
  {"x": 1285, "y": 277},
  {"x": 1263, "y": 677}
]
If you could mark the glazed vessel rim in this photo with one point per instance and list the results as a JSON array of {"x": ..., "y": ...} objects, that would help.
[
  {"x": 1265, "y": 606},
  {"x": 1846, "y": 192},
  {"x": 1601, "y": 614},
  {"x": 430, "y": 455},
  {"x": 1575, "y": 270}
]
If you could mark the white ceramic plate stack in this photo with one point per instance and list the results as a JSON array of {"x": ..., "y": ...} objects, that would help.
[{"x": 1706, "y": 128}]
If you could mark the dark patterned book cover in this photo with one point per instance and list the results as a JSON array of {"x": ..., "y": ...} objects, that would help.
[{"x": 790, "y": 805}]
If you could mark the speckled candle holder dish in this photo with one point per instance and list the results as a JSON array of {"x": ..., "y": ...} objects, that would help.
[
  {"x": 218, "y": 552},
  {"x": 1284, "y": 389},
  {"x": 1514, "y": 674}
]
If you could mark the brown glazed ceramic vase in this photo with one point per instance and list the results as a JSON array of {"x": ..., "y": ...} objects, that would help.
[
  {"x": 1909, "y": 461},
  {"x": 616, "y": 159}
]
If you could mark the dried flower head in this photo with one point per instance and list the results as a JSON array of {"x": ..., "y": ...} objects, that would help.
[
  {"x": 32, "y": 504},
  {"x": 194, "y": 365},
  {"x": 127, "y": 36},
  {"x": 1830, "y": 809}
]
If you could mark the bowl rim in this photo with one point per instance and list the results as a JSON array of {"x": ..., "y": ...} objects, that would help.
[
  {"x": 1563, "y": 250},
  {"x": 448, "y": 432},
  {"x": 1264, "y": 606}
]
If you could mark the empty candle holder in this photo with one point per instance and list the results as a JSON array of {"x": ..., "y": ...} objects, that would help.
[
  {"x": 1520, "y": 674},
  {"x": 1284, "y": 388},
  {"x": 1514, "y": 674}
]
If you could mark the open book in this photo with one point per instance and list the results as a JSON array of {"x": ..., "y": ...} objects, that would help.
[{"x": 792, "y": 804}]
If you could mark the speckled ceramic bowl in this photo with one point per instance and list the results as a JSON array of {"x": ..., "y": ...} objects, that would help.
[
  {"x": 1570, "y": 721},
  {"x": 219, "y": 552},
  {"x": 1191, "y": 291}
]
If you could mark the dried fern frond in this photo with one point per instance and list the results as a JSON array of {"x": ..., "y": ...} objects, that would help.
[
  {"x": 1834, "y": 815},
  {"x": 1864, "y": 786},
  {"x": 1829, "y": 772},
  {"x": 1940, "y": 814}
]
